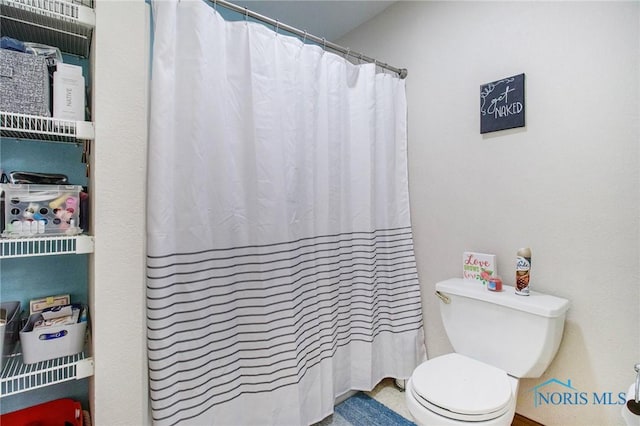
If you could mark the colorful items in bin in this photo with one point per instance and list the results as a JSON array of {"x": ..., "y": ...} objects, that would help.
[
  {"x": 32, "y": 210},
  {"x": 53, "y": 413},
  {"x": 59, "y": 315},
  {"x": 53, "y": 332}
]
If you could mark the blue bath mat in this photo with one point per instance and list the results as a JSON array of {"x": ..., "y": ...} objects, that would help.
[{"x": 362, "y": 410}]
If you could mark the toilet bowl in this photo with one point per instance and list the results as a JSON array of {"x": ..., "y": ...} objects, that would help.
[
  {"x": 498, "y": 338},
  {"x": 455, "y": 390},
  {"x": 631, "y": 410}
]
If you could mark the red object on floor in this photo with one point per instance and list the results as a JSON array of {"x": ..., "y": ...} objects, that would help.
[{"x": 61, "y": 412}]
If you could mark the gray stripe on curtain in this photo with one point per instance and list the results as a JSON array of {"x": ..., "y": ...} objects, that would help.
[{"x": 295, "y": 318}]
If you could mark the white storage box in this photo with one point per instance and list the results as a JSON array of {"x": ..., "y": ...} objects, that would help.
[
  {"x": 37, "y": 210},
  {"x": 68, "y": 92},
  {"x": 44, "y": 343}
]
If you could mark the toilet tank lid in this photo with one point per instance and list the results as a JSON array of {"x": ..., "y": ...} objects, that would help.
[{"x": 536, "y": 303}]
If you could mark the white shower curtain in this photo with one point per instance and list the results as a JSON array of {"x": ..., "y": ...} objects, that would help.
[{"x": 280, "y": 270}]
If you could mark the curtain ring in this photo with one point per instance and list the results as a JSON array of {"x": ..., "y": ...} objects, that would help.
[
  {"x": 277, "y": 26},
  {"x": 360, "y": 60},
  {"x": 246, "y": 14},
  {"x": 215, "y": 5},
  {"x": 346, "y": 55},
  {"x": 304, "y": 39},
  {"x": 324, "y": 43}
]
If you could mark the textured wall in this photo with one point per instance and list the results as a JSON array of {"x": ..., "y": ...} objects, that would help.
[
  {"x": 120, "y": 60},
  {"x": 566, "y": 185}
]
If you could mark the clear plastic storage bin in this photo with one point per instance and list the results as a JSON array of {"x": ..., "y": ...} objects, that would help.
[{"x": 39, "y": 210}]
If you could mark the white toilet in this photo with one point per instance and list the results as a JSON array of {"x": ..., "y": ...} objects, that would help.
[{"x": 498, "y": 338}]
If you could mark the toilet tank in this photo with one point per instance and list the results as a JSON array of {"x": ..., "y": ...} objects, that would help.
[{"x": 518, "y": 334}]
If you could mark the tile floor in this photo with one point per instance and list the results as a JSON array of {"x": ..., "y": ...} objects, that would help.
[{"x": 387, "y": 393}]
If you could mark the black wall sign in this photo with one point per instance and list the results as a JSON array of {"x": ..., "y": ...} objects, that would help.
[{"x": 502, "y": 104}]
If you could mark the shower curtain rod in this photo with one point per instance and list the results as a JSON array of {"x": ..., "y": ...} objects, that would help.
[{"x": 402, "y": 72}]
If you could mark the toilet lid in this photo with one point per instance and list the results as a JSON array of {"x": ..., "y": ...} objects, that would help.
[{"x": 461, "y": 385}]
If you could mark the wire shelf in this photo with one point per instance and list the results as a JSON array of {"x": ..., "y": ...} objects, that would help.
[
  {"x": 62, "y": 24},
  {"x": 45, "y": 246},
  {"x": 33, "y": 127},
  {"x": 25, "y": 126},
  {"x": 17, "y": 377},
  {"x": 68, "y": 25}
]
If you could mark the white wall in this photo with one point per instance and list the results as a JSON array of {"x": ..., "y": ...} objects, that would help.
[
  {"x": 120, "y": 55},
  {"x": 566, "y": 185}
]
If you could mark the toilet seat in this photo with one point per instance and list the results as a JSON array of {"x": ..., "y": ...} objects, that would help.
[{"x": 462, "y": 388}]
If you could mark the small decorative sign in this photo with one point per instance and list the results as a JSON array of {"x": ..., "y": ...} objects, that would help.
[
  {"x": 479, "y": 266},
  {"x": 502, "y": 104}
]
